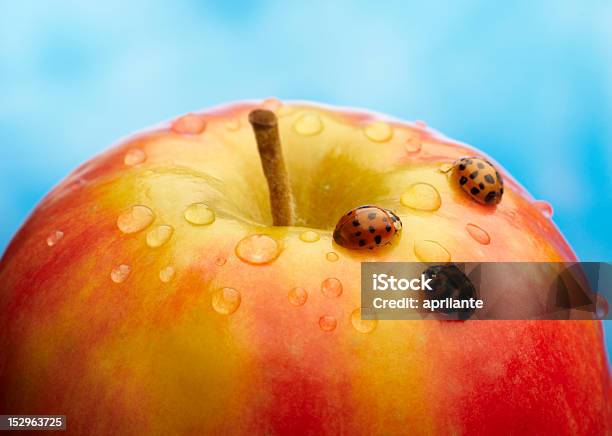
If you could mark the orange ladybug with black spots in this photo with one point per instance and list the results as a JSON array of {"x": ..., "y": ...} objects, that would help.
[
  {"x": 479, "y": 179},
  {"x": 367, "y": 227}
]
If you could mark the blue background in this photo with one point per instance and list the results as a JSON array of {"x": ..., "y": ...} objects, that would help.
[{"x": 530, "y": 83}]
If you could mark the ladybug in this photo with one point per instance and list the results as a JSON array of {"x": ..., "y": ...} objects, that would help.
[
  {"x": 448, "y": 281},
  {"x": 366, "y": 227},
  {"x": 479, "y": 179}
]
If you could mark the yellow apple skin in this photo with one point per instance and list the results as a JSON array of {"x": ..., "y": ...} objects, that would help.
[{"x": 145, "y": 351}]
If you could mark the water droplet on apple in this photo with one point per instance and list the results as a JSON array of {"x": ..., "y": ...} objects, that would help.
[
  {"x": 226, "y": 300},
  {"x": 378, "y": 131},
  {"x": 308, "y": 125},
  {"x": 362, "y": 325},
  {"x": 166, "y": 274},
  {"x": 134, "y": 156},
  {"x": 413, "y": 143},
  {"x": 544, "y": 207},
  {"x": 421, "y": 196},
  {"x": 54, "y": 237},
  {"x": 120, "y": 273},
  {"x": 331, "y": 256},
  {"x": 271, "y": 104},
  {"x": 601, "y": 307},
  {"x": 431, "y": 251},
  {"x": 297, "y": 296},
  {"x": 310, "y": 236},
  {"x": 76, "y": 185},
  {"x": 327, "y": 323},
  {"x": 233, "y": 124},
  {"x": 199, "y": 214},
  {"x": 159, "y": 236},
  {"x": 479, "y": 234},
  {"x": 257, "y": 249},
  {"x": 220, "y": 261},
  {"x": 331, "y": 287},
  {"x": 190, "y": 124},
  {"x": 135, "y": 219}
]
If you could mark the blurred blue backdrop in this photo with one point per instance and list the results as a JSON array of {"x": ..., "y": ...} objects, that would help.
[{"x": 530, "y": 83}]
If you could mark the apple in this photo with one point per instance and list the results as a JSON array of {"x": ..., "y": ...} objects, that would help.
[{"x": 150, "y": 292}]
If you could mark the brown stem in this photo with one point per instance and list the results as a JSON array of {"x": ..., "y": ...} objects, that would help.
[{"x": 265, "y": 126}]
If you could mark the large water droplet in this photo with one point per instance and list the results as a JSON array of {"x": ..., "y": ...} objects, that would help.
[
  {"x": 54, "y": 237},
  {"x": 310, "y": 236},
  {"x": 226, "y": 300},
  {"x": 190, "y": 124},
  {"x": 134, "y": 156},
  {"x": 166, "y": 274},
  {"x": 431, "y": 251},
  {"x": 331, "y": 256},
  {"x": 308, "y": 125},
  {"x": 120, "y": 273},
  {"x": 258, "y": 249},
  {"x": 421, "y": 196},
  {"x": 159, "y": 236},
  {"x": 479, "y": 234},
  {"x": 327, "y": 323},
  {"x": 135, "y": 219},
  {"x": 544, "y": 207},
  {"x": 331, "y": 287},
  {"x": 378, "y": 131},
  {"x": 199, "y": 214},
  {"x": 362, "y": 325},
  {"x": 297, "y": 296}
]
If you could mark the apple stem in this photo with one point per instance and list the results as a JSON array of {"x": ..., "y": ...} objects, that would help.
[{"x": 265, "y": 126}]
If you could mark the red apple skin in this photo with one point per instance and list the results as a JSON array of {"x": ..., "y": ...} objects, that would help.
[{"x": 147, "y": 356}]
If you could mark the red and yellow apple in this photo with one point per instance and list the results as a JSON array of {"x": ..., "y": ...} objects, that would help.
[{"x": 150, "y": 293}]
